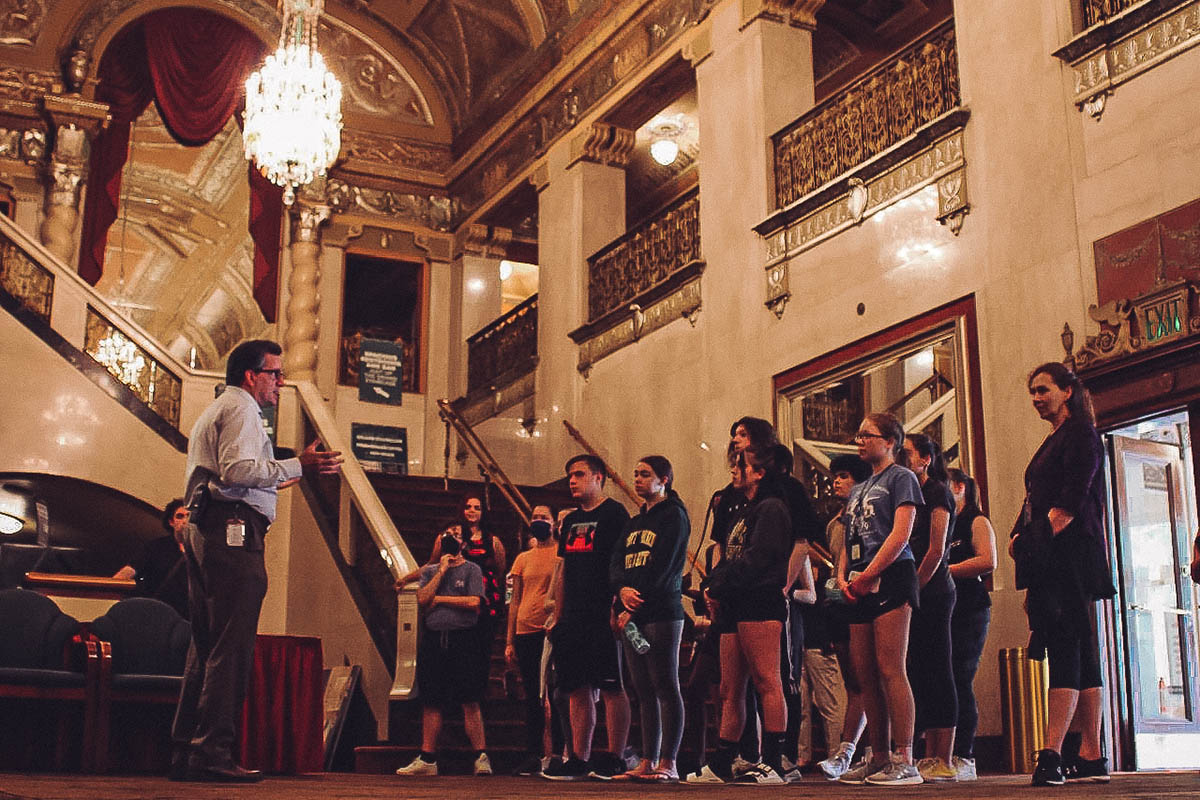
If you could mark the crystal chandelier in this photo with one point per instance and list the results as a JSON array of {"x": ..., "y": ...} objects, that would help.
[{"x": 294, "y": 105}]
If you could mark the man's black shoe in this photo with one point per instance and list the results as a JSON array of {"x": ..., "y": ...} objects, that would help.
[
  {"x": 226, "y": 773},
  {"x": 1049, "y": 769},
  {"x": 179, "y": 764},
  {"x": 573, "y": 769},
  {"x": 606, "y": 766},
  {"x": 1088, "y": 771}
]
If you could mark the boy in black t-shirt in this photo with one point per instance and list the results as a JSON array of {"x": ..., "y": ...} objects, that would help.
[{"x": 585, "y": 651}]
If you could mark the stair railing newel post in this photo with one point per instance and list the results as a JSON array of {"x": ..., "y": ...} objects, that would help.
[{"x": 309, "y": 213}]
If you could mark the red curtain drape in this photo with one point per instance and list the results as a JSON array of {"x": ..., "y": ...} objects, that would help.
[{"x": 193, "y": 64}]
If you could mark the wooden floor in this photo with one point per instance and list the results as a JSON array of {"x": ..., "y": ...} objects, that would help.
[{"x": 336, "y": 786}]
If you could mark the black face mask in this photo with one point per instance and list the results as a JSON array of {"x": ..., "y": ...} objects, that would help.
[{"x": 540, "y": 529}]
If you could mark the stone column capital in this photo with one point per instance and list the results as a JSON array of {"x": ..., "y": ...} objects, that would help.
[
  {"x": 72, "y": 112},
  {"x": 797, "y": 13},
  {"x": 307, "y": 219},
  {"x": 485, "y": 241},
  {"x": 603, "y": 143}
]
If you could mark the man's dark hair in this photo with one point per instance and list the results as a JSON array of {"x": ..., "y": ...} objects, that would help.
[
  {"x": 169, "y": 513},
  {"x": 248, "y": 355},
  {"x": 594, "y": 464},
  {"x": 848, "y": 462},
  {"x": 784, "y": 460}
]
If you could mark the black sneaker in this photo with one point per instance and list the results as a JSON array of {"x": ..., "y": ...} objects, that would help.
[
  {"x": 1048, "y": 771},
  {"x": 530, "y": 766},
  {"x": 573, "y": 769},
  {"x": 1088, "y": 770},
  {"x": 606, "y": 766}
]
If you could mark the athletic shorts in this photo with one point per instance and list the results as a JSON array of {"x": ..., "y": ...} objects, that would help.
[
  {"x": 585, "y": 653},
  {"x": 447, "y": 673},
  {"x": 760, "y": 604},
  {"x": 897, "y": 587}
]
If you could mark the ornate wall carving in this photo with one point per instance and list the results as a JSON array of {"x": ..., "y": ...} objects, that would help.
[
  {"x": 431, "y": 211},
  {"x": 20, "y": 21},
  {"x": 375, "y": 83},
  {"x": 386, "y": 153}
]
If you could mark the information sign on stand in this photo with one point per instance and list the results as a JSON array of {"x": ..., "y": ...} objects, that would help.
[
  {"x": 380, "y": 448},
  {"x": 379, "y": 371}
]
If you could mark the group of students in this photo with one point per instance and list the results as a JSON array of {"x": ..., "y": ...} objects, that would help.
[{"x": 883, "y": 633}]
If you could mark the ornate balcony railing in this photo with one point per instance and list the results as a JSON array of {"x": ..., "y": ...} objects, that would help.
[
  {"x": 153, "y": 383},
  {"x": 644, "y": 257},
  {"x": 867, "y": 117},
  {"x": 26, "y": 280},
  {"x": 1095, "y": 11},
  {"x": 506, "y": 347}
]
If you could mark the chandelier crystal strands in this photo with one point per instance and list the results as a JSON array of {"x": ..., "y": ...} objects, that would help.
[{"x": 293, "y": 129}]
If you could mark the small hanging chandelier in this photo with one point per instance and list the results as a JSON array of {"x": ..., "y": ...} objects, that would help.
[{"x": 293, "y": 129}]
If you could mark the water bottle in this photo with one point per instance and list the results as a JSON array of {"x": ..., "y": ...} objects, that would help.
[
  {"x": 636, "y": 640},
  {"x": 508, "y": 588}
]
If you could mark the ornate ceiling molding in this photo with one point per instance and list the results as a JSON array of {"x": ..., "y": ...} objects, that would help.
[
  {"x": 100, "y": 16},
  {"x": 430, "y": 211},
  {"x": 21, "y": 21},
  {"x": 643, "y": 38},
  {"x": 797, "y": 13},
  {"x": 378, "y": 154}
]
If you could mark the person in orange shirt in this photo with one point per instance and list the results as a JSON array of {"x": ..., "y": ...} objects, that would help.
[{"x": 531, "y": 573}]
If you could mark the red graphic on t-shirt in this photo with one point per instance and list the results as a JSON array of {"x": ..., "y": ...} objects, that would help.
[{"x": 581, "y": 538}]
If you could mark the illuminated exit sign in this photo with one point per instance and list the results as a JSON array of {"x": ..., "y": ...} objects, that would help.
[{"x": 1163, "y": 315}]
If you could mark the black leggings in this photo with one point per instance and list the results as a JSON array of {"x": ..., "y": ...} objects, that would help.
[
  {"x": 529, "y": 661},
  {"x": 656, "y": 681},
  {"x": 968, "y": 632},
  {"x": 1074, "y": 661},
  {"x": 929, "y": 667}
]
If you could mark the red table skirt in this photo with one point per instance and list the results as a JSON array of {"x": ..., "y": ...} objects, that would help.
[{"x": 283, "y": 718}]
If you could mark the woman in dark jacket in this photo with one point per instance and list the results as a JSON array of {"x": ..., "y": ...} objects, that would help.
[
  {"x": 646, "y": 577},
  {"x": 1062, "y": 559},
  {"x": 746, "y": 590}
]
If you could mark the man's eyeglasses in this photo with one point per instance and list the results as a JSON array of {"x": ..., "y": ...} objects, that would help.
[
  {"x": 275, "y": 373},
  {"x": 863, "y": 435}
]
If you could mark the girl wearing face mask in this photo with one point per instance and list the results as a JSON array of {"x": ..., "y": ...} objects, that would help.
[
  {"x": 531, "y": 574},
  {"x": 647, "y": 576}
]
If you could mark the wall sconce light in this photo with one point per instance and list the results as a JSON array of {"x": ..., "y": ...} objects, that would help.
[
  {"x": 857, "y": 199},
  {"x": 10, "y": 523},
  {"x": 506, "y": 270},
  {"x": 664, "y": 148}
]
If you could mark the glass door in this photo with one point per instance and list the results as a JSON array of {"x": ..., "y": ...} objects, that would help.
[{"x": 1154, "y": 505}]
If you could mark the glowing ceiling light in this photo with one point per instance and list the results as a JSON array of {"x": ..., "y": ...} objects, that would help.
[
  {"x": 664, "y": 147},
  {"x": 506, "y": 270},
  {"x": 10, "y": 523},
  {"x": 293, "y": 114}
]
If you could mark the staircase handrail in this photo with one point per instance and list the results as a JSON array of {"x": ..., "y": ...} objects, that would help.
[
  {"x": 587, "y": 448},
  {"x": 392, "y": 549},
  {"x": 484, "y": 456},
  {"x": 38, "y": 253}
]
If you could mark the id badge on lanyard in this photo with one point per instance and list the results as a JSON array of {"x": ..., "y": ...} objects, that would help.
[{"x": 235, "y": 532}]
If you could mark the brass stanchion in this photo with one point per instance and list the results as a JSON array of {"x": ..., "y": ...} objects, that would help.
[{"x": 1023, "y": 685}]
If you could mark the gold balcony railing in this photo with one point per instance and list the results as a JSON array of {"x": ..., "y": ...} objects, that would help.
[
  {"x": 153, "y": 383},
  {"x": 1095, "y": 11},
  {"x": 508, "y": 346},
  {"x": 645, "y": 256},
  {"x": 914, "y": 87},
  {"x": 26, "y": 280}
]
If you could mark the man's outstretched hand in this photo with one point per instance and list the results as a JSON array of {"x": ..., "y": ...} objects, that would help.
[{"x": 321, "y": 462}]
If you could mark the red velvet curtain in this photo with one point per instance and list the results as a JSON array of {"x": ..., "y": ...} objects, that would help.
[{"x": 193, "y": 64}]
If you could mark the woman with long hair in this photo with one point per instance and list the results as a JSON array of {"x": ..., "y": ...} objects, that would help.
[
  {"x": 647, "y": 578},
  {"x": 745, "y": 591},
  {"x": 1062, "y": 560},
  {"x": 878, "y": 579},
  {"x": 929, "y": 665},
  {"x": 972, "y": 557}
]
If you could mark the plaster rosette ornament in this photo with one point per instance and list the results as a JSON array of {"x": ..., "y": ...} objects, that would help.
[{"x": 293, "y": 128}]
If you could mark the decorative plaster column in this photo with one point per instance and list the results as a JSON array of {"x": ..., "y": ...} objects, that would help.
[
  {"x": 581, "y": 208},
  {"x": 300, "y": 339},
  {"x": 74, "y": 121}
]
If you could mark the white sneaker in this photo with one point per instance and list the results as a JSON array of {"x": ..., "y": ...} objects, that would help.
[
  {"x": 483, "y": 765},
  {"x": 839, "y": 763},
  {"x": 705, "y": 775},
  {"x": 964, "y": 769},
  {"x": 419, "y": 766},
  {"x": 857, "y": 774},
  {"x": 793, "y": 775},
  {"x": 760, "y": 774},
  {"x": 896, "y": 772}
]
